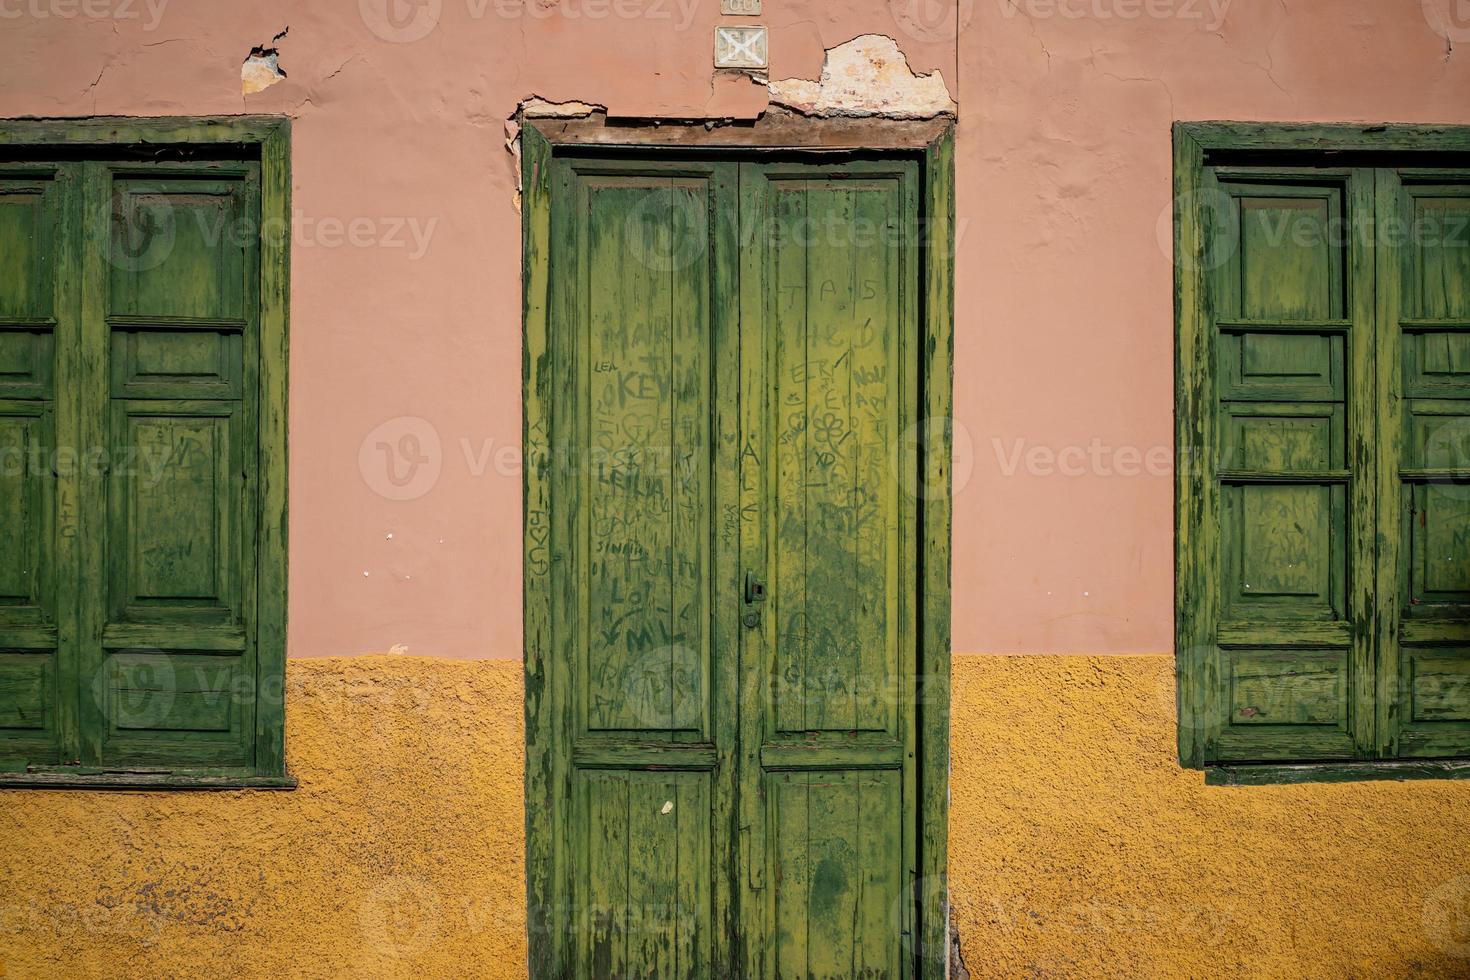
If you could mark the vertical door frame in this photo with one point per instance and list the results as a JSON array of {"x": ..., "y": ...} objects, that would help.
[
  {"x": 932, "y": 143},
  {"x": 1196, "y": 533},
  {"x": 270, "y": 136}
]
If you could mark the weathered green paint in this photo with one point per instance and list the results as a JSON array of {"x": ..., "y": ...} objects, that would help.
[
  {"x": 828, "y": 315},
  {"x": 1323, "y": 590},
  {"x": 149, "y": 650},
  {"x": 723, "y": 567}
]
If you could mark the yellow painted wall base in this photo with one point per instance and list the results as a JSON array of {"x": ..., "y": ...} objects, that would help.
[{"x": 1078, "y": 846}]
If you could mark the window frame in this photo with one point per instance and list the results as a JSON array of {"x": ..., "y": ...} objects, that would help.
[
  {"x": 271, "y": 137},
  {"x": 1196, "y": 596}
]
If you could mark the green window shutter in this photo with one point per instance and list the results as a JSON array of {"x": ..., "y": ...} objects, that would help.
[
  {"x": 30, "y": 712},
  {"x": 1424, "y": 357},
  {"x": 131, "y": 618},
  {"x": 1324, "y": 528},
  {"x": 1287, "y": 332}
]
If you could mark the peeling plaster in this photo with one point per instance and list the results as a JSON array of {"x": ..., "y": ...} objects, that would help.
[
  {"x": 536, "y": 107},
  {"x": 539, "y": 108},
  {"x": 262, "y": 67},
  {"x": 867, "y": 76}
]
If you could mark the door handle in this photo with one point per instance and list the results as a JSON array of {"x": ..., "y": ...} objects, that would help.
[{"x": 755, "y": 592}]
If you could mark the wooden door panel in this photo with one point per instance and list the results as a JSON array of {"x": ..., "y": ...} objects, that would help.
[
  {"x": 1287, "y": 266},
  {"x": 732, "y": 568},
  {"x": 647, "y": 870},
  {"x": 839, "y": 886},
  {"x": 27, "y": 453},
  {"x": 169, "y": 656},
  {"x": 28, "y": 236},
  {"x": 644, "y": 354},
  {"x": 828, "y": 323},
  {"x": 838, "y": 393},
  {"x": 26, "y": 358},
  {"x": 1438, "y": 280},
  {"x": 130, "y": 367},
  {"x": 174, "y": 708},
  {"x": 649, "y": 484}
]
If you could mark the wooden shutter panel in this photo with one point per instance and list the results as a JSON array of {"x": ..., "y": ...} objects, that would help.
[
  {"x": 172, "y": 672},
  {"x": 1292, "y": 327},
  {"x": 30, "y": 707},
  {"x": 1425, "y": 438}
]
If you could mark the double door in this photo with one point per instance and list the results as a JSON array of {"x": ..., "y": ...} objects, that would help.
[{"x": 723, "y": 731}]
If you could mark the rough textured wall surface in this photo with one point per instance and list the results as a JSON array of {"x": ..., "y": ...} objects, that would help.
[
  {"x": 1078, "y": 846},
  {"x": 399, "y": 855}
]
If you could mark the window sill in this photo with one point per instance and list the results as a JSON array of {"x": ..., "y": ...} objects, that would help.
[
  {"x": 71, "y": 777},
  {"x": 1335, "y": 772}
]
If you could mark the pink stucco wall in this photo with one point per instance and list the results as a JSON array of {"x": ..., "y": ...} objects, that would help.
[{"x": 406, "y": 279}]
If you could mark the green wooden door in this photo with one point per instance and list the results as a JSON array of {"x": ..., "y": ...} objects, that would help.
[{"x": 730, "y": 784}]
